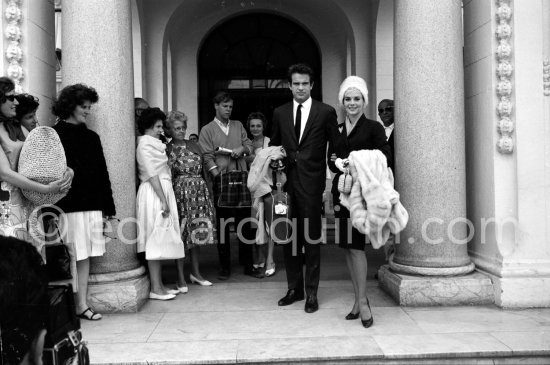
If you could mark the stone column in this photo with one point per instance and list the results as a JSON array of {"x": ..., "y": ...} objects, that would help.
[
  {"x": 430, "y": 154},
  {"x": 97, "y": 51}
]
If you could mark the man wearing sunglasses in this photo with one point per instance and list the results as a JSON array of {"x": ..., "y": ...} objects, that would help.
[{"x": 385, "y": 111}]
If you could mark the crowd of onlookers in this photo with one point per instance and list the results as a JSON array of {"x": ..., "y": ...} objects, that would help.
[{"x": 180, "y": 180}]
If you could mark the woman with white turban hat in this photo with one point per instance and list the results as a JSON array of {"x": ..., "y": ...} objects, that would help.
[{"x": 355, "y": 133}]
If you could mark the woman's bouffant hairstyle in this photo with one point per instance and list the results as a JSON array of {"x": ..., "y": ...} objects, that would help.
[
  {"x": 6, "y": 85},
  {"x": 175, "y": 115},
  {"x": 72, "y": 96},
  {"x": 149, "y": 117},
  {"x": 27, "y": 104},
  {"x": 23, "y": 298},
  {"x": 256, "y": 115}
]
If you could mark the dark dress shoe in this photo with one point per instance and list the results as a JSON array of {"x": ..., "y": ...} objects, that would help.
[
  {"x": 258, "y": 273},
  {"x": 311, "y": 304},
  {"x": 352, "y": 316},
  {"x": 290, "y": 297}
]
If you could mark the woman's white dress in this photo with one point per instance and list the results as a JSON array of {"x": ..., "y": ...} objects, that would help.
[{"x": 152, "y": 161}]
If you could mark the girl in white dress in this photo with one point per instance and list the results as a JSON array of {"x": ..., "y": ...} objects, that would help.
[{"x": 155, "y": 193}]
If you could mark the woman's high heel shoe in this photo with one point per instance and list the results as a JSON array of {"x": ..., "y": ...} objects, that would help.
[
  {"x": 194, "y": 280},
  {"x": 352, "y": 316},
  {"x": 271, "y": 271},
  {"x": 368, "y": 322}
]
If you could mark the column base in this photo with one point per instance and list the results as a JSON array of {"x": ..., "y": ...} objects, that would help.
[
  {"x": 521, "y": 292},
  {"x": 118, "y": 292},
  {"x": 408, "y": 290},
  {"x": 432, "y": 271}
]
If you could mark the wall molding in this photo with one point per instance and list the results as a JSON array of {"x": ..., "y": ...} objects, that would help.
[
  {"x": 504, "y": 71},
  {"x": 12, "y": 34}
]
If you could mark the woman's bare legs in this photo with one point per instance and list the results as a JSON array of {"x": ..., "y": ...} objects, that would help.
[
  {"x": 350, "y": 264},
  {"x": 83, "y": 272},
  {"x": 269, "y": 262},
  {"x": 194, "y": 254},
  {"x": 155, "y": 275},
  {"x": 359, "y": 263},
  {"x": 181, "y": 275}
]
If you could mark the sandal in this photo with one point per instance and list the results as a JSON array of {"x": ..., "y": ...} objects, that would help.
[{"x": 90, "y": 315}]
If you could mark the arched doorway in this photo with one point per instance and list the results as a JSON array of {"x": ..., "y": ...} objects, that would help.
[{"x": 248, "y": 56}]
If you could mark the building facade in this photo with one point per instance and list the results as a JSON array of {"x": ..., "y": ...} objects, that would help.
[{"x": 471, "y": 82}]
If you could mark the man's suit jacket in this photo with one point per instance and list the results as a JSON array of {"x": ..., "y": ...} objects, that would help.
[
  {"x": 391, "y": 163},
  {"x": 306, "y": 169},
  {"x": 366, "y": 135}
]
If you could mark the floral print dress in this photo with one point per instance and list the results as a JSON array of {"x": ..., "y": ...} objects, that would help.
[{"x": 195, "y": 207}]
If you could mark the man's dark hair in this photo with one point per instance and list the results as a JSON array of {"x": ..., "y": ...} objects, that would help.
[
  {"x": 23, "y": 298},
  {"x": 149, "y": 117},
  {"x": 27, "y": 104},
  {"x": 386, "y": 101},
  {"x": 222, "y": 97},
  {"x": 71, "y": 97},
  {"x": 300, "y": 68}
]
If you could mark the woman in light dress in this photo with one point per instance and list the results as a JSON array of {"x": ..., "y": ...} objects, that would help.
[{"x": 155, "y": 194}]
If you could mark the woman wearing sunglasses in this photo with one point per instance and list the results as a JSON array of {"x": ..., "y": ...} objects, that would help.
[
  {"x": 14, "y": 208},
  {"x": 354, "y": 134}
]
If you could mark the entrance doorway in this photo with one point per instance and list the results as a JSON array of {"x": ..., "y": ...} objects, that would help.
[{"x": 248, "y": 56}]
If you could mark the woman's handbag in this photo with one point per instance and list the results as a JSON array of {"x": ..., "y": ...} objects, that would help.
[
  {"x": 164, "y": 242},
  {"x": 60, "y": 256},
  {"x": 231, "y": 189},
  {"x": 345, "y": 182},
  {"x": 58, "y": 262},
  {"x": 278, "y": 218}
]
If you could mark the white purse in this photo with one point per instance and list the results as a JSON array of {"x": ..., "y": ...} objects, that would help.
[{"x": 164, "y": 243}]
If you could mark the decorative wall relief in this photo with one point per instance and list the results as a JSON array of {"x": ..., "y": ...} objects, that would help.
[
  {"x": 505, "y": 68},
  {"x": 14, "y": 53}
]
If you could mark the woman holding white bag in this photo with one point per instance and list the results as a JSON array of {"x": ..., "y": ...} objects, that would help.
[{"x": 155, "y": 201}]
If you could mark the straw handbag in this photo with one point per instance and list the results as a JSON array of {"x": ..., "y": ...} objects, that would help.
[{"x": 43, "y": 160}]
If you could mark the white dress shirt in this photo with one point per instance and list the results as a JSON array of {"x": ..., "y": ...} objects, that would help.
[
  {"x": 388, "y": 130},
  {"x": 224, "y": 127},
  {"x": 306, "y": 108}
]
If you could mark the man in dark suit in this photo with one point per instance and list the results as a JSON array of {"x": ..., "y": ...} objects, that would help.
[
  {"x": 303, "y": 127},
  {"x": 385, "y": 111}
]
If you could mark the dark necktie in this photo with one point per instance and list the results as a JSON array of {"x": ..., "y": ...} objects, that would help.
[{"x": 298, "y": 124}]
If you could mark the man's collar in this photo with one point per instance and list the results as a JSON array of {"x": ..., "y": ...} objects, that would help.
[
  {"x": 220, "y": 122},
  {"x": 390, "y": 126},
  {"x": 305, "y": 104}
]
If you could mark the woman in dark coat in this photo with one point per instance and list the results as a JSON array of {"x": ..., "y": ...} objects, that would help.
[
  {"x": 90, "y": 199},
  {"x": 355, "y": 133}
]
